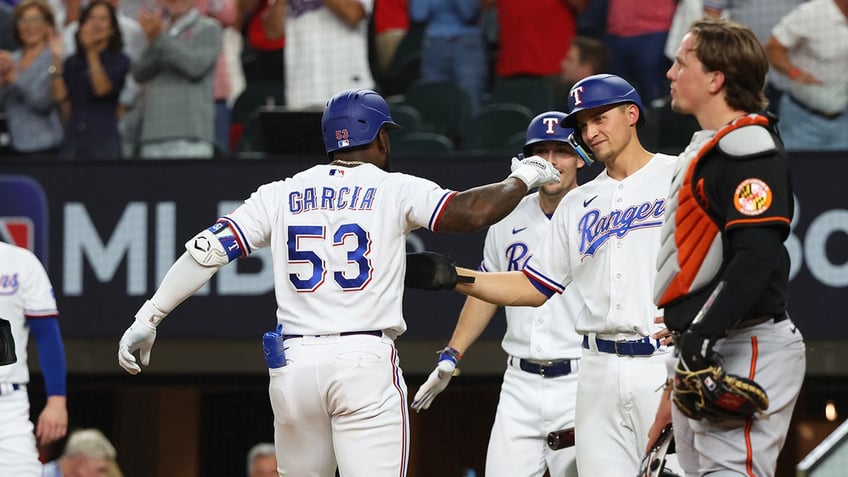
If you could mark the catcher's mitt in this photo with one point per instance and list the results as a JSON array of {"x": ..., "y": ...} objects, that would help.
[{"x": 712, "y": 393}]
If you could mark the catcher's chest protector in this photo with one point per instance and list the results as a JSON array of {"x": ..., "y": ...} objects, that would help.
[{"x": 691, "y": 252}]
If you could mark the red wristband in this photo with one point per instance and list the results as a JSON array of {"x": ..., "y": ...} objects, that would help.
[{"x": 794, "y": 72}]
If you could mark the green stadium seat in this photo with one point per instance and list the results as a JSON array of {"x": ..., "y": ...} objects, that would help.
[
  {"x": 490, "y": 131},
  {"x": 422, "y": 144}
]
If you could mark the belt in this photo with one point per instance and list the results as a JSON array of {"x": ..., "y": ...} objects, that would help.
[
  {"x": 642, "y": 347},
  {"x": 343, "y": 333},
  {"x": 9, "y": 388},
  {"x": 762, "y": 319},
  {"x": 828, "y": 116},
  {"x": 548, "y": 369}
]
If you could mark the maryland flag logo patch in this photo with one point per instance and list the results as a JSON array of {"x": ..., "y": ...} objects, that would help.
[{"x": 752, "y": 197}]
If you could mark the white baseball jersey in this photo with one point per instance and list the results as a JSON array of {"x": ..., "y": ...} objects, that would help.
[
  {"x": 518, "y": 441},
  {"x": 324, "y": 55},
  {"x": 603, "y": 241},
  {"x": 25, "y": 292},
  {"x": 543, "y": 333},
  {"x": 338, "y": 240}
]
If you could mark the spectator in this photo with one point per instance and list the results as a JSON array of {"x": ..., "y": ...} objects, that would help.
[
  {"x": 533, "y": 37},
  {"x": 6, "y": 27},
  {"x": 262, "y": 460},
  {"x": 26, "y": 300},
  {"x": 32, "y": 115},
  {"x": 326, "y": 50},
  {"x": 760, "y": 16},
  {"x": 391, "y": 22},
  {"x": 586, "y": 57},
  {"x": 453, "y": 48},
  {"x": 178, "y": 70},
  {"x": 810, "y": 46},
  {"x": 89, "y": 87},
  {"x": 135, "y": 42},
  {"x": 263, "y": 40},
  {"x": 225, "y": 12},
  {"x": 88, "y": 453},
  {"x": 636, "y": 36}
]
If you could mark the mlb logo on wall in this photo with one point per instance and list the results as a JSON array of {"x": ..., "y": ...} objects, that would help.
[{"x": 23, "y": 214}]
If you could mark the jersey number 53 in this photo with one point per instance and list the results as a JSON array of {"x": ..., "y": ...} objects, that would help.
[{"x": 303, "y": 242}]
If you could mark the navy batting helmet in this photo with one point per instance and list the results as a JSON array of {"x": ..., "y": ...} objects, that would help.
[
  {"x": 352, "y": 118},
  {"x": 600, "y": 90},
  {"x": 545, "y": 127}
]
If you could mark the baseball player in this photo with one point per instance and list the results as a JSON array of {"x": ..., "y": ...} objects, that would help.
[
  {"x": 26, "y": 300},
  {"x": 603, "y": 242},
  {"x": 540, "y": 382},
  {"x": 337, "y": 233},
  {"x": 723, "y": 269}
]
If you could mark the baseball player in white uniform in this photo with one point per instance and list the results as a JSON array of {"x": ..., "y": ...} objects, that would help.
[
  {"x": 337, "y": 234},
  {"x": 540, "y": 383},
  {"x": 27, "y": 302},
  {"x": 602, "y": 242}
]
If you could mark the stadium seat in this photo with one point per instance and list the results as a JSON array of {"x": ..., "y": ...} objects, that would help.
[
  {"x": 265, "y": 93},
  {"x": 408, "y": 117},
  {"x": 422, "y": 144},
  {"x": 490, "y": 131},
  {"x": 445, "y": 107},
  {"x": 405, "y": 67},
  {"x": 531, "y": 91}
]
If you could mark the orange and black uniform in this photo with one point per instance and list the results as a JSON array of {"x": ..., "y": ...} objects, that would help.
[{"x": 740, "y": 195}]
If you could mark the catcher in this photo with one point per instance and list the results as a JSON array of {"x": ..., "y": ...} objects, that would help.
[{"x": 722, "y": 269}]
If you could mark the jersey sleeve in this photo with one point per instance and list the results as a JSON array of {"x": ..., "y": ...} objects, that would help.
[
  {"x": 549, "y": 268},
  {"x": 422, "y": 200},
  {"x": 39, "y": 300},
  {"x": 253, "y": 220},
  {"x": 757, "y": 192}
]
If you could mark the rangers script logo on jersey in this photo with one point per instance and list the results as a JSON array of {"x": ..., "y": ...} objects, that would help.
[{"x": 595, "y": 229}]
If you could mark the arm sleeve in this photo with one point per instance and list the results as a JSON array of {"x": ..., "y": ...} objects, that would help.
[
  {"x": 745, "y": 279},
  {"x": 51, "y": 354},
  {"x": 183, "y": 279}
]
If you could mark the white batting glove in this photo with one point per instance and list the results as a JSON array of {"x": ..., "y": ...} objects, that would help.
[
  {"x": 140, "y": 336},
  {"x": 533, "y": 171},
  {"x": 438, "y": 379}
]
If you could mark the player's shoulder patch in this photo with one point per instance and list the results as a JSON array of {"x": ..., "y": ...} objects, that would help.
[
  {"x": 748, "y": 142},
  {"x": 753, "y": 196}
]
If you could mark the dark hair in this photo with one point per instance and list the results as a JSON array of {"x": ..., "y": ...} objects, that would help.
[
  {"x": 592, "y": 51},
  {"x": 116, "y": 41},
  {"x": 42, "y": 6},
  {"x": 733, "y": 49}
]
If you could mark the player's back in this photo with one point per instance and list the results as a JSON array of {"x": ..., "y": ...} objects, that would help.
[{"x": 338, "y": 237}]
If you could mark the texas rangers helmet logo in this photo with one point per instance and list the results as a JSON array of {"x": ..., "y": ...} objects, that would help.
[
  {"x": 575, "y": 94},
  {"x": 549, "y": 125},
  {"x": 752, "y": 197}
]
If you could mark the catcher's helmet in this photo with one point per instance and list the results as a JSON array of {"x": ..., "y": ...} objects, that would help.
[
  {"x": 545, "y": 127},
  {"x": 352, "y": 118},
  {"x": 600, "y": 90}
]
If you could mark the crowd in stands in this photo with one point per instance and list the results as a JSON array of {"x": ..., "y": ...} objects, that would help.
[{"x": 91, "y": 79}]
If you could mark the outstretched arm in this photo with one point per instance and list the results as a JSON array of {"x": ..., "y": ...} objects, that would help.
[
  {"x": 502, "y": 288},
  {"x": 482, "y": 206}
]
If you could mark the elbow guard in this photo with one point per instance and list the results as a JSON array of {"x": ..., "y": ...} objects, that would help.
[{"x": 215, "y": 246}]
